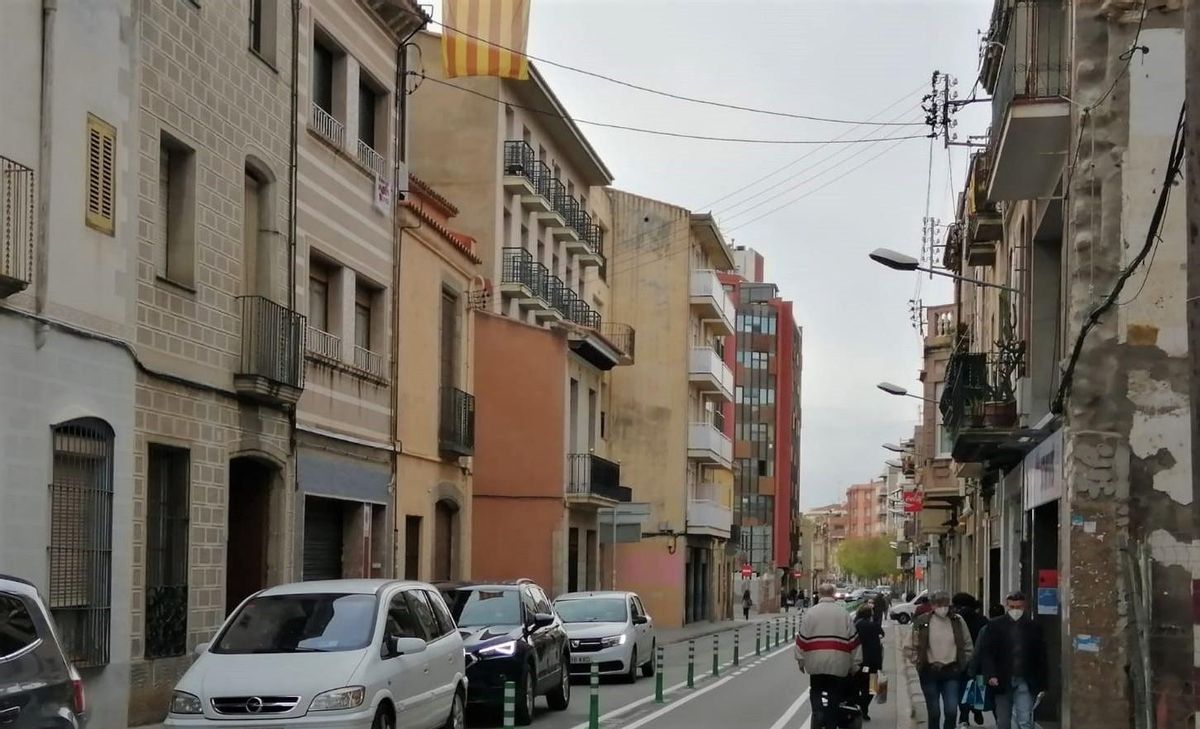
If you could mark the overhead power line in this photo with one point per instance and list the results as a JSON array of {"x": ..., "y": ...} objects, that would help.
[
  {"x": 658, "y": 132},
  {"x": 668, "y": 94}
]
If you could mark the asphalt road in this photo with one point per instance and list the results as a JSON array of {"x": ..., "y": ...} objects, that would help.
[{"x": 764, "y": 692}]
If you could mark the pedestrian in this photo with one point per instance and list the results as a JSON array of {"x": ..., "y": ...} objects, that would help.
[
  {"x": 967, "y": 607},
  {"x": 1013, "y": 663},
  {"x": 870, "y": 633},
  {"x": 803, "y": 603},
  {"x": 829, "y": 651},
  {"x": 747, "y": 603},
  {"x": 794, "y": 598},
  {"x": 880, "y": 606},
  {"x": 941, "y": 648}
]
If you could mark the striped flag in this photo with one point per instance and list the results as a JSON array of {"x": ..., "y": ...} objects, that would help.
[{"x": 485, "y": 38}]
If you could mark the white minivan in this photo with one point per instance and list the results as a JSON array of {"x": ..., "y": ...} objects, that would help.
[{"x": 352, "y": 654}]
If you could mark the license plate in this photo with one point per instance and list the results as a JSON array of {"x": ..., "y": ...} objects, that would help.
[{"x": 581, "y": 659}]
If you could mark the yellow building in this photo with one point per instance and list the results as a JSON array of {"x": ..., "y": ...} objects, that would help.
[{"x": 669, "y": 429}]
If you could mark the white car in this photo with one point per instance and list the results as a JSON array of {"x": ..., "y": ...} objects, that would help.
[
  {"x": 352, "y": 654},
  {"x": 905, "y": 611},
  {"x": 611, "y": 629}
]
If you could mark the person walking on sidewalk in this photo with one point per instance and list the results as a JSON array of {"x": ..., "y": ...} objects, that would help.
[
  {"x": 1013, "y": 663},
  {"x": 880, "y": 605},
  {"x": 829, "y": 651},
  {"x": 870, "y": 633},
  {"x": 967, "y": 607},
  {"x": 747, "y": 603},
  {"x": 941, "y": 646}
]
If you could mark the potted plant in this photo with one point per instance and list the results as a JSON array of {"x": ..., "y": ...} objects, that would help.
[{"x": 1000, "y": 410}]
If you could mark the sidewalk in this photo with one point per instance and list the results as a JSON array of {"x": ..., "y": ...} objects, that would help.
[{"x": 704, "y": 628}]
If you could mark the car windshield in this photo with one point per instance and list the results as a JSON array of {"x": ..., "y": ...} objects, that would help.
[
  {"x": 476, "y": 608},
  {"x": 592, "y": 610},
  {"x": 316, "y": 623}
]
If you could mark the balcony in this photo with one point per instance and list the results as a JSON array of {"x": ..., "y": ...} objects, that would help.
[
  {"x": 603, "y": 344},
  {"x": 592, "y": 253},
  {"x": 553, "y": 190},
  {"x": 711, "y": 301},
  {"x": 370, "y": 362},
  {"x": 708, "y": 372},
  {"x": 1027, "y": 70},
  {"x": 327, "y": 127},
  {"x": 552, "y": 291},
  {"x": 519, "y": 163},
  {"x": 516, "y": 273},
  {"x": 979, "y": 409},
  {"x": 706, "y": 516},
  {"x": 621, "y": 336},
  {"x": 706, "y": 444},
  {"x": 18, "y": 211},
  {"x": 456, "y": 423},
  {"x": 370, "y": 159},
  {"x": 272, "y": 362},
  {"x": 984, "y": 225},
  {"x": 322, "y": 345},
  {"x": 595, "y": 481}
]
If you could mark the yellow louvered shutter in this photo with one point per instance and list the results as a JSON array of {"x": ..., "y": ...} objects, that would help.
[{"x": 101, "y": 175}]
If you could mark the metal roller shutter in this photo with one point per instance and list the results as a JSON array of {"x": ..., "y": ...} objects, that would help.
[{"x": 322, "y": 539}]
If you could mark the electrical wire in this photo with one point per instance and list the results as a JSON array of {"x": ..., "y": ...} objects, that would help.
[
  {"x": 1175, "y": 161},
  {"x": 660, "y": 132},
  {"x": 667, "y": 94}
]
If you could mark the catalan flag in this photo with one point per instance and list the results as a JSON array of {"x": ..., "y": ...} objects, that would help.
[{"x": 485, "y": 38}]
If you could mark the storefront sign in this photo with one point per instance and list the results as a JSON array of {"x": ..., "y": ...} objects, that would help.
[
  {"x": 914, "y": 501},
  {"x": 747, "y": 570},
  {"x": 1043, "y": 471},
  {"x": 1047, "y": 601}
]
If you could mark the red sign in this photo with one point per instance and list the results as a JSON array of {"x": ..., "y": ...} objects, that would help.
[
  {"x": 919, "y": 573},
  {"x": 797, "y": 574},
  {"x": 914, "y": 501},
  {"x": 1047, "y": 578},
  {"x": 747, "y": 570}
]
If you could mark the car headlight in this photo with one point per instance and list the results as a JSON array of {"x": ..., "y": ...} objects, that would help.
[
  {"x": 185, "y": 703},
  {"x": 501, "y": 649},
  {"x": 612, "y": 641},
  {"x": 342, "y": 698}
]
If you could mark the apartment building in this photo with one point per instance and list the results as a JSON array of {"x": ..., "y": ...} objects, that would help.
[
  {"x": 862, "y": 510},
  {"x": 438, "y": 268},
  {"x": 350, "y": 159},
  {"x": 665, "y": 268},
  {"x": 529, "y": 189},
  {"x": 768, "y": 361},
  {"x": 829, "y": 527},
  {"x": 68, "y": 224}
]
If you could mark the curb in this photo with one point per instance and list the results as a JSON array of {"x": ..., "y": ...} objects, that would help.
[
  {"x": 736, "y": 625},
  {"x": 918, "y": 716}
]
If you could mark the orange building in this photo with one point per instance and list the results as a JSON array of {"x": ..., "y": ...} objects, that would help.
[{"x": 862, "y": 510}]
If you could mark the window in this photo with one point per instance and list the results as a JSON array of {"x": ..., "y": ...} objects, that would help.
[
  {"x": 529, "y": 603},
  {"x": 300, "y": 623},
  {"x": 19, "y": 632},
  {"x": 256, "y": 253},
  {"x": 322, "y": 76},
  {"x": 441, "y": 612},
  {"x": 367, "y": 100},
  {"x": 362, "y": 317},
  {"x": 448, "y": 335},
  {"x": 945, "y": 440},
  {"x": 166, "y": 551},
  {"x": 101, "y": 175},
  {"x": 402, "y": 621},
  {"x": 318, "y": 295},
  {"x": 80, "y": 553},
  {"x": 419, "y": 606},
  {"x": 543, "y": 603},
  {"x": 176, "y": 225}
]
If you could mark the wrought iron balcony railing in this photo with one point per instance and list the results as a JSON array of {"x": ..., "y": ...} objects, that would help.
[
  {"x": 17, "y": 215},
  {"x": 568, "y": 207},
  {"x": 569, "y": 299},
  {"x": 555, "y": 288},
  {"x": 456, "y": 427},
  {"x": 591, "y": 475},
  {"x": 166, "y": 620},
  {"x": 557, "y": 194},
  {"x": 272, "y": 341},
  {"x": 369, "y": 158},
  {"x": 517, "y": 267},
  {"x": 621, "y": 336},
  {"x": 370, "y": 362},
  {"x": 591, "y": 237},
  {"x": 539, "y": 281},
  {"x": 519, "y": 159},
  {"x": 324, "y": 124},
  {"x": 323, "y": 344},
  {"x": 1035, "y": 63}
]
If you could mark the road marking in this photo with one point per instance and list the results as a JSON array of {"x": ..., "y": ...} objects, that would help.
[
  {"x": 807, "y": 722},
  {"x": 672, "y": 706},
  {"x": 792, "y": 711},
  {"x": 670, "y": 690}
]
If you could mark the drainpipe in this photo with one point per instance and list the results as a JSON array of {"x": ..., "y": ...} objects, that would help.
[
  {"x": 293, "y": 156},
  {"x": 45, "y": 146}
]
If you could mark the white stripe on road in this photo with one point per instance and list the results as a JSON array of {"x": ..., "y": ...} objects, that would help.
[
  {"x": 807, "y": 722},
  {"x": 670, "y": 707},
  {"x": 791, "y": 711},
  {"x": 672, "y": 689}
]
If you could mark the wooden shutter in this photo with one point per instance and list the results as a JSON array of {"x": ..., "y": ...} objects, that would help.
[{"x": 101, "y": 175}]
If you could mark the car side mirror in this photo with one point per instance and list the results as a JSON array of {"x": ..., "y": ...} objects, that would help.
[
  {"x": 542, "y": 620},
  {"x": 402, "y": 646},
  {"x": 641, "y": 619},
  {"x": 202, "y": 648}
]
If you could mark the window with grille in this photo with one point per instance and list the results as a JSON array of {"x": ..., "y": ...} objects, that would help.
[
  {"x": 167, "y": 482},
  {"x": 101, "y": 175},
  {"x": 80, "y": 552}
]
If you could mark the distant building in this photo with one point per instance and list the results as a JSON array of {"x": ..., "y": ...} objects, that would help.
[{"x": 864, "y": 516}]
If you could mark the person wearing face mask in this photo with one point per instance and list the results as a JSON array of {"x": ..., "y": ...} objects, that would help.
[
  {"x": 1012, "y": 662},
  {"x": 941, "y": 650}
]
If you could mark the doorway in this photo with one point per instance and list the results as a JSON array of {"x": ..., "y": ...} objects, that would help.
[
  {"x": 412, "y": 547},
  {"x": 445, "y": 519},
  {"x": 249, "y": 510}
]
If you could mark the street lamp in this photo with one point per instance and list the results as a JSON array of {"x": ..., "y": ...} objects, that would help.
[
  {"x": 894, "y": 448},
  {"x": 892, "y": 389},
  {"x": 900, "y": 262}
]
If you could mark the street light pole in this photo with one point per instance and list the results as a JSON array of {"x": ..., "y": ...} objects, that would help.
[
  {"x": 900, "y": 262},
  {"x": 898, "y": 391}
]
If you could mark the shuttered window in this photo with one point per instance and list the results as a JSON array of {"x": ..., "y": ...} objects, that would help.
[{"x": 101, "y": 175}]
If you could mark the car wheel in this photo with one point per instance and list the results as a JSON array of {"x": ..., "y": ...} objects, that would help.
[
  {"x": 560, "y": 698},
  {"x": 457, "y": 718},
  {"x": 631, "y": 676},
  {"x": 526, "y": 693},
  {"x": 650, "y": 666},
  {"x": 903, "y": 618},
  {"x": 383, "y": 719}
]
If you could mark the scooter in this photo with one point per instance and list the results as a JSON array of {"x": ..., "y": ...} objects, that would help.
[{"x": 847, "y": 715}]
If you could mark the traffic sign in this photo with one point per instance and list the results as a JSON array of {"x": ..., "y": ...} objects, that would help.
[{"x": 747, "y": 570}]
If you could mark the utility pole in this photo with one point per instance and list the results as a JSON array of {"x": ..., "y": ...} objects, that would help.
[{"x": 1191, "y": 54}]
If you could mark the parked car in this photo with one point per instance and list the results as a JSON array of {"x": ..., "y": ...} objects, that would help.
[
  {"x": 38, "y": 685},
  {"x": 905, "y": 611},
  {"x": 512, "y": 633},
  {"x": 841, "y": 592},
  {"x": 335, "y": 653},
  {"x": 611, "y": 629}
]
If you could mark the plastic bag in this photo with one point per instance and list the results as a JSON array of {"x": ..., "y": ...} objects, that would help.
[
  {"x": 879, "y": 687},
  {"x": 975, "y": 695}
]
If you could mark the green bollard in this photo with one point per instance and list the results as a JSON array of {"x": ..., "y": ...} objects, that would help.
[
  {"x": 594, "y": 704},
  {"x": 758, "y": 639},
  {"x": 775, "y": 632},
  {"x": 691, "y": 669},
  {"x": 736, "y": 635},
  {"x": 658, "y": 676},
  {"x": 716, "y": 652},
  {"x": 510, "y": 704}
]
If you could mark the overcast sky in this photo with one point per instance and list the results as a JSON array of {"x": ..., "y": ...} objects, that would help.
[{"x": 845, "y": 59}]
